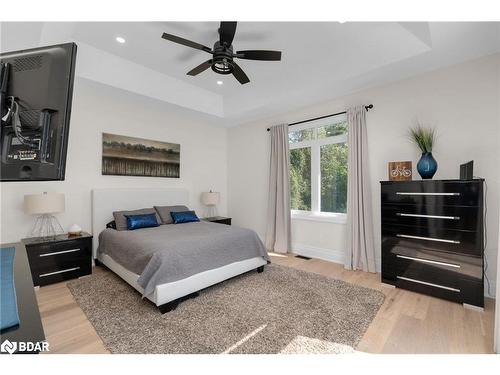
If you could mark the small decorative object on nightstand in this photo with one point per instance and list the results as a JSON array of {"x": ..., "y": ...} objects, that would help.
[
  {"x": 218, "y": 219},
  {"x": 60, "y": 258},
  {"x": 75, "y": 230}
]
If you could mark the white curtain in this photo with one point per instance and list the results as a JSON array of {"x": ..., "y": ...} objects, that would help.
[
  {"x": 360, "y": 246},
  {"x": 278, "y": 209}
]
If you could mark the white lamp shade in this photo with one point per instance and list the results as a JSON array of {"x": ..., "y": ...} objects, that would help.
[
  {"x": 46, "y": 203},
  {"x": 210, "y": 198}
]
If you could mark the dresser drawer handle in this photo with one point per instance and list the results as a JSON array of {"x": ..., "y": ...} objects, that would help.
[
  {"x": 56, "y": 272},
  {"x": 428, "y": 261},
  {"x": 430, "y": 216},
  {"x": 430, "y": 284},
  {"x": 59, "y": 252},
  {"x": 427, "y": 238},
  {"x": 439, "y": 194}
]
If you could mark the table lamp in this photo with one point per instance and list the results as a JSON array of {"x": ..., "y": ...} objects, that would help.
[
  {"x": 44, "y": 205},
  {"x": 210, "y": 199}
]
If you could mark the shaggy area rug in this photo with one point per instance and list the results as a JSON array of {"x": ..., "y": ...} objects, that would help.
[{"x": 282, "y": 310}]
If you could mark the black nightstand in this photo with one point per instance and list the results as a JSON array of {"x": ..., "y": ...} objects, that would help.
[
  {"x": 59, "y": 258},
  {"x": 218, "y": 219}
]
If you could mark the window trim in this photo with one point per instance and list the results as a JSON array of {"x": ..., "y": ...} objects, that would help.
[
  {"x": 329, "y": 217},
  {"x": 315, "y": 145}
]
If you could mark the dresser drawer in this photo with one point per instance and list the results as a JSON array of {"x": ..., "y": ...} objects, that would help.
[
  {"x": 418, "y": 287},
  {"x": 46, "y": 249},
  {"x": 457, "y": 278},
  {"x": 439, "y": 217},
  {"x": 55, "y": 258},
  {"x": 434, "y": 239},
  {"x": 64, "y": 271},
  {"x": 56, "y": 262},
  {"x": 444, "y": 275},
  {"x": 433, "y": 193}
]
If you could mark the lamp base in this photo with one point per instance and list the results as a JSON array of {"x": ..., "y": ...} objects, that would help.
[
  {"x": 46, "y": 226},
  {"x": 211, "y": 211}
]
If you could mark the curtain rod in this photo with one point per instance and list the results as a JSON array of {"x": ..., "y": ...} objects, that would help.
[{"x": 367, "y": 107}]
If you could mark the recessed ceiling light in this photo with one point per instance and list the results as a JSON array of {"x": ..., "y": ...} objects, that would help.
[
  {"x": 119, "y": 39},
  {"x": 220, "y": 83}
]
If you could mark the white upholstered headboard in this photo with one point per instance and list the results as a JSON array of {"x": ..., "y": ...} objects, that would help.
[{"x": 105, "y": 201}]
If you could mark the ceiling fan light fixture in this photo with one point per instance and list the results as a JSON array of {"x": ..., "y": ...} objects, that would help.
[{"x": 223, "y": 67}]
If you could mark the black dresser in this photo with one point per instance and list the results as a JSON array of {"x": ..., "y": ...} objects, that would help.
[
  {"x": 60, "y": 258},
  {"x": 432, "y": 238}
]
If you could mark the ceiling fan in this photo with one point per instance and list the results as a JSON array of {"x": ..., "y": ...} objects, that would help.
[{"x": 222, "y": 61}]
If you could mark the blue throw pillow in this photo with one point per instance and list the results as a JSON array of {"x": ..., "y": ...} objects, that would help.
[
  {"x": 184, "y": 217},
  {"x": 141, "y": 221}
]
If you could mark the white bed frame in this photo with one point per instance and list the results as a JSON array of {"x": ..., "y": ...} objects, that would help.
[{"x": 105, "y": 201}]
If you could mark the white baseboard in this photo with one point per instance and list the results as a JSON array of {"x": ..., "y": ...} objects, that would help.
[{"x": 331, "y": 255}]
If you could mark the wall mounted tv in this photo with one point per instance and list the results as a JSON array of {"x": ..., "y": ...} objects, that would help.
[{"x": 36, "y": 89}]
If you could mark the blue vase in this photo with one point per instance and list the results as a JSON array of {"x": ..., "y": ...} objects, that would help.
[{"x": 427, "y": 166}]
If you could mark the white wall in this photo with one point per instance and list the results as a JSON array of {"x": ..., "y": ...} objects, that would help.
[
  {"x": 98, "y": 108},
  {"x": 496, "y": 345},
  {"x": 497, "y": 305},
  {"x": 460, "y": 101}
]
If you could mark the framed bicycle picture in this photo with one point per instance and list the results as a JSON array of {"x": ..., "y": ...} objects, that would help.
[{"x": 400, "y": 170}]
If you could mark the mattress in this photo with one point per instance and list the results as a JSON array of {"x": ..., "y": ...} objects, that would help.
[{"x": 174, "y": 252}]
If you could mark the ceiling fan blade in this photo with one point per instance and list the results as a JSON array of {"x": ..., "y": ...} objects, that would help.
[
  {"x": 185, "y": 42},
  {"x": 200, "y": 68},
  {"x": 226, "y": 32},
  {"x": 259, "y": 55},
  {"x": 239, "y": 74}
]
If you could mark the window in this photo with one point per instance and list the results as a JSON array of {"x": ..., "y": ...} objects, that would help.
[
  {"x": 300, "y": 135},
  {"x": 318, "y": 167},
  {"x": 300, "y": 178},
  {"x": 333, "y": 171}
]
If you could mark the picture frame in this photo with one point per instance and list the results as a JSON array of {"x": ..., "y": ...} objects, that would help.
[
  {"x": 400, "y": 171},
  {"x": 131, "y": 156}
]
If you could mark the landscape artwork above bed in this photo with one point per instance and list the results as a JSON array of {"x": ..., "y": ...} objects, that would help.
[{"x": 129, "y": 156}]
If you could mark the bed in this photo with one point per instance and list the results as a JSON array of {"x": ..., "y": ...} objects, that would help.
[{"x": 172, "y": 262}]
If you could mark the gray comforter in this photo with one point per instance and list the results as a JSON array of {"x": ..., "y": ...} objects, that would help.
[{"x": 173, "y": 252}]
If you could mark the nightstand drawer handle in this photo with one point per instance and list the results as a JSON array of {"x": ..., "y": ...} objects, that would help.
[
  {"x": 429, "y": 284},
  {"x": 429, "y": 261},
  {"x": 427, "y": 238},
  {"x": 438, "y": 194},
  {"x": 59, "y": 252},
  {"x": 430, "y": 216},
  {"x": 56, "y": 272}
]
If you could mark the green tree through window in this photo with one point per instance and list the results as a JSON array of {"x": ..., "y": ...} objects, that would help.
[
  {"x": 319, "y": 153},
  {"x": 300, "y": 179},
  {"x": 334, "y": 178}
]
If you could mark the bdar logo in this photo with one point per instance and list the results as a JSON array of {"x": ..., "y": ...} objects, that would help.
[{"x": 9, "y": 347}]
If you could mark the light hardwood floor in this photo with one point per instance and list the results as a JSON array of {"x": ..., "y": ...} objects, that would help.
[{"x": 406, "y": 323}]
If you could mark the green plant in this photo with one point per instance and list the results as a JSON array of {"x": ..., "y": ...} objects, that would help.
[{"x": 423, "y": 137}]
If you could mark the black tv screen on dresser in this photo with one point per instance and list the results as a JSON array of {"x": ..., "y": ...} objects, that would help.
[{"x": 36, "y": 94}]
